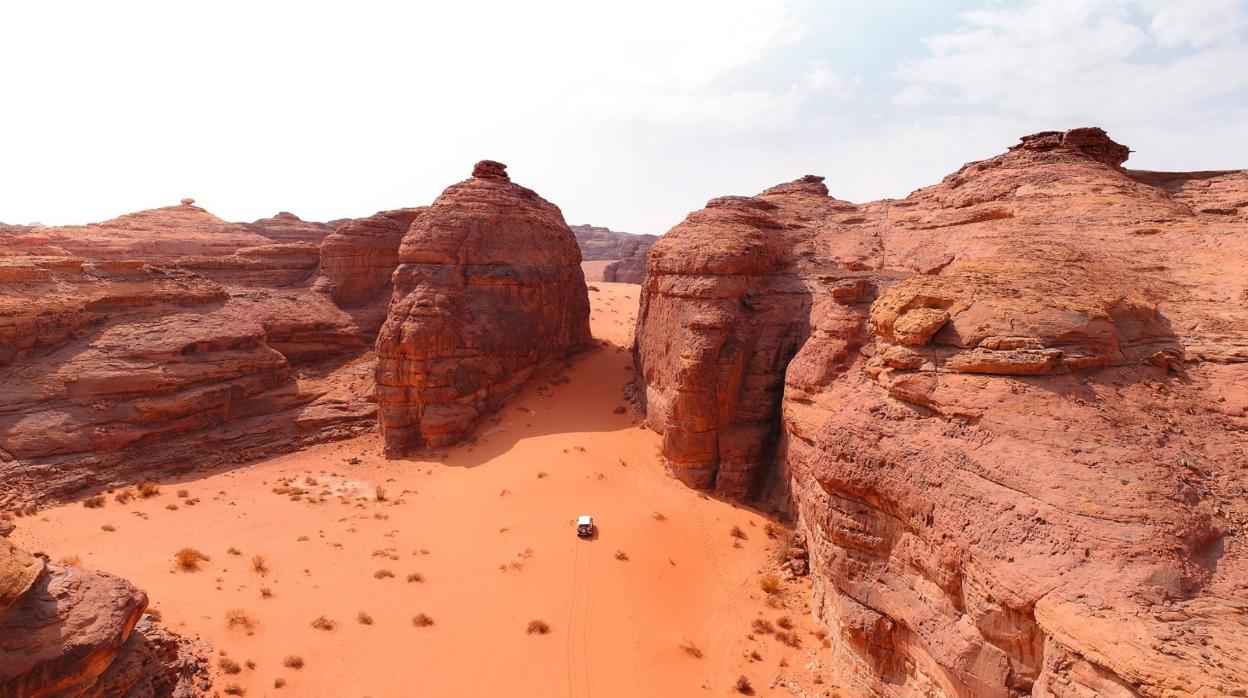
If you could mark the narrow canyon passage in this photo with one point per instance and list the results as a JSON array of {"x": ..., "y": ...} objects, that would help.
[{"x": 480, "y": 541}]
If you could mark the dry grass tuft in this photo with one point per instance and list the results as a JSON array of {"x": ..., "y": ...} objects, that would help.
[
  {"x": 743, "y": 686},
  {"x": 188, "y": 559},
  {"x": 422, "y": 620},
  {"x": 621, "y": 556},
  {"x": 785, "y": 622},
  {"x": 772, "y": 530},
  {"x": 658, "y": 516},
  {"x": 383, "y": 574},
  {"x": 70, "y": 561},
  {"x": 769, "y": 583},
  {"x": 183, "y": 494},
  {"x": 233, "y": 689},
  {"x": 540, "y": 627},
  {"x": 293, "y": 661},
  {"x": 380, "y": 493},
  {"x": 260, "y": 565},
  {"x": 229, "y": 666},
  {"x": 691, "y": 649},
  {"x": 323, "y": 623},
  {"x": 541, "y": 475},
  {"x": 737, "y": 533},
  {"x": 364, "y": 619},
  {"x": 148, "y": 489},
  {"x": 124, "y": 496},
  {"x": 279, "y": 682},
  {"x": 266, "y": 593},
  {"x": 239, "y": 618},
  {"x": 415, "y": 578},
  {"x": 763, "y": 626},
  {"x": 94, "y": 502},
  {"x": 788, "y": 638}
]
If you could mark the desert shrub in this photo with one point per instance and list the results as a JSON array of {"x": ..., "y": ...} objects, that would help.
[
  {"x": 763, "y": 626},
  {"x": 293, "y": 661},
  {"x": 621, "y": 556},
  {"x": 415, "y": 578},
  {"x": 70, "y": 561},
  {"x": 785, "y": 622},
  {"x": 188, "y": 559},
  {"x": 183, "y": 494},
  {"x": 364, "y": 619},
  {"x": 279, "y": 682},
  {"x": 769, "y": 583},
  {"x": 737, "y": 533},
  {"x": 691, "y": 649},
  {"x": 239, "y": 618},
  {"x": 233, "y": 689},
  {"x": 422, "y": 620},
  {"x": 260, "y": 565},
  {"x": 94, "y": 502},
  {"x": 540, "y": 627},
  {"x": 148, "y": 489},
  {"x": 380, "y": 493},
  {"x": 229, "y": 666},
  {"x": 383, "y": 574},
  {"x": 743, "y": 686},
  {"x": 323, "y": 623},
  {"x": 658, "y": 516},
  {"x": 124, "y": 496}
]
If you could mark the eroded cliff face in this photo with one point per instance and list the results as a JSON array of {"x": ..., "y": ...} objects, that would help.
[
  {"x": 1010, "y": 410},
  {"x": 164, "y": 341},
  {"x": 489, "y": 286}
]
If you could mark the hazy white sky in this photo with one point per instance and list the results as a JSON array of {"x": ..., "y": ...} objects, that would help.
[{"x": 625, "y": 114}]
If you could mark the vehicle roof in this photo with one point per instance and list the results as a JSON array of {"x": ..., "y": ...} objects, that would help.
[{"x": 584, "y": 519}]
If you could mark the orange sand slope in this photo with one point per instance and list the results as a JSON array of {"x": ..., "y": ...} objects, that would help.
[{"x": 481, "y": 541}]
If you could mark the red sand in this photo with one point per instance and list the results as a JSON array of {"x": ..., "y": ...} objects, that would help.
[{"x": 490, "y": 530}]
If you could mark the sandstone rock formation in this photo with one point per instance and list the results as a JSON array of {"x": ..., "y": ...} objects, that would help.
[
  {"x": 165, "y": 341},
  {"x": 72, "y": 633},
  {"x": 359, "y": 258},
  {"x": 489, "y": 286},
  {"x": 287, "y": 227},
  {"x": 626, "y": 252},
  {"x": 1009, "y": 411},
  {"x": 599, "y": 244}
]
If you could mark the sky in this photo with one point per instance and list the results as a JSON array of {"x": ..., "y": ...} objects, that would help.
[{"x": 624, "y": 114}]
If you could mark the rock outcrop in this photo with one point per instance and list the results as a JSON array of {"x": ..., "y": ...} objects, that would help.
[
  {"x": 72, "y": 633},
  {"x": 287, "y": 227},
  {"x": 603, "y": 244},
  {"x": 359, "y": 258},
  {"x": 1009, "y": 412},
  {"x": 489, "y": 286},
  {"x": 626, "y": 252},
  {"x": 165, "y": 341}
]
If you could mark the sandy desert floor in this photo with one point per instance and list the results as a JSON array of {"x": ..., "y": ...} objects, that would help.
[
  {"x": 663, "y": 602},
  {"x": 593, "y": 271}
]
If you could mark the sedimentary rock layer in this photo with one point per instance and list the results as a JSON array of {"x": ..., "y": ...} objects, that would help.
[
  {"x": 600, "y": 244},
  {"x": 1009, "y": 411},
  {"x": 489, "y": 286},
  {"x": 164, "y": 341}
]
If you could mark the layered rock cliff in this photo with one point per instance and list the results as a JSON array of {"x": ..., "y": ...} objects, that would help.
[
  {"x": 489, "y": 286},
  {"x": 1010, "y": 413},
  {"x": 74, "y": 633},
  {"x": 165, "y": 341},
  {"x": 603, "y": 244}
]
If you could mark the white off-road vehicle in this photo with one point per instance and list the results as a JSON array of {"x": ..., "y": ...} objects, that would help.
[{"x": 585, "y": 526}]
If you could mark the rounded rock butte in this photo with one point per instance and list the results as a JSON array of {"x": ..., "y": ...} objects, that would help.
[{"x": 488, "y": 287}]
